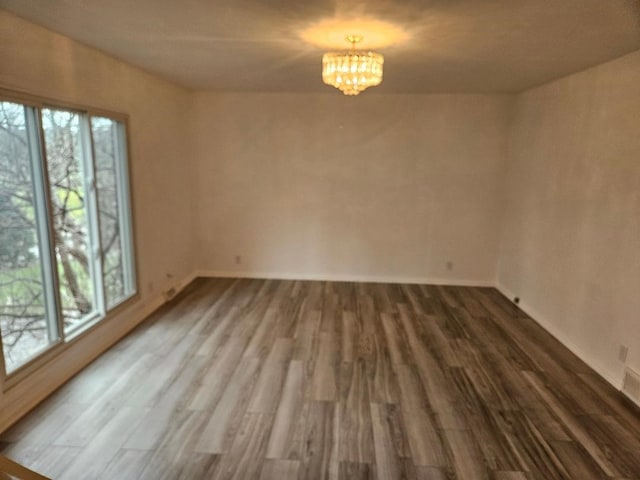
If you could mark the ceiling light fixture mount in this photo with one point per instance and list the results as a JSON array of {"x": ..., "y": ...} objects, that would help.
[{"x": 352, "y": 71}]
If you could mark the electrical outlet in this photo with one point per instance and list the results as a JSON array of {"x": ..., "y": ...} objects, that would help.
[
  {"x": 238, "y": 259},
  {"x": 450, "y": 266},
  {"x": 622, "y": 353}
]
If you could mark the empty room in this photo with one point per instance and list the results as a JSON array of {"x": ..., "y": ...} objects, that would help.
[{"x": 276, "y": 240}]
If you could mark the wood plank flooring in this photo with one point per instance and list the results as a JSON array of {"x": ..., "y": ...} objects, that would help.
[{"x": 273, "y": 380}]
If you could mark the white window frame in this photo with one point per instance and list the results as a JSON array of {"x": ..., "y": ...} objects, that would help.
[{"x": 58, "y": 338}]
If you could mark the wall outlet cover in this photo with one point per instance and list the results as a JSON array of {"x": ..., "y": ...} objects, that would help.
[{"x": 622, "y": 353}]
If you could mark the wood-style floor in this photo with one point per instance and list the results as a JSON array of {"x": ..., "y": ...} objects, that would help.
[{"x": 264, "y": 379}]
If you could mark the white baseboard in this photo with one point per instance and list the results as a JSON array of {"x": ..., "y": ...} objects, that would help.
[
  {"x": 18, "y": 400},
  {"x": 178, "y": 287},
  {"x": 614, "y": 378},
  {"x": 345, "y": 278}
]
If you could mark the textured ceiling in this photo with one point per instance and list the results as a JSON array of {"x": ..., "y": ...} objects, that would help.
[{"x": 257, "y": 45}]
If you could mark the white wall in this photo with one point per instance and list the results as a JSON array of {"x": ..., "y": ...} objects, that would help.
[
  {"x": 571, "y": 244},
  {"x": 38, "y": 61},
  {"x": 381, "y": 187}
]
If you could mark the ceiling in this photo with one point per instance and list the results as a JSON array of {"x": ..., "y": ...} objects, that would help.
[{"x": 446, "y": 46}]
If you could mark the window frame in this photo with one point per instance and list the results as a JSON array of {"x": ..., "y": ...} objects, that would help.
[
  {"x": 125, "y": 210},
  {"x": 45, "y": 233}
]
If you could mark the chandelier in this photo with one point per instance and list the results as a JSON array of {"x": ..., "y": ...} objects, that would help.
[{"x": 352, "y": 71}]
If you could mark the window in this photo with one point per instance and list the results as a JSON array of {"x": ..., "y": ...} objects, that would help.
[
  {"x": 113, "y": 204},
  {"x": 66, "y": 255}
]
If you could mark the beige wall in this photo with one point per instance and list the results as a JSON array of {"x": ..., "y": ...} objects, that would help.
[
  {"x": 571, "y": 244},
  {"x": 376, "y": 187},
  {"x": 40, "y": 62}
]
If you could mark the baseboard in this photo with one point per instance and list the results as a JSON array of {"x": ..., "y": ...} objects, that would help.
[
  {"x": 346, "y": 278},
  {"x": 178, "y": 287},
  {"x": 47, "y": 378},
  {"x": 611, "y": 377}
]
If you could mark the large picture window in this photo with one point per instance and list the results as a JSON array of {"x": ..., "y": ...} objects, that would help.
[{"x": 66, "y": 255}]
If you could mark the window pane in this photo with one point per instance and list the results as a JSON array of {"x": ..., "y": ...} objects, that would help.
[
  {"x": 111, "y": 185},
  {"x": 63, "y": 143},
  {"x": 23, "y": 318}
]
